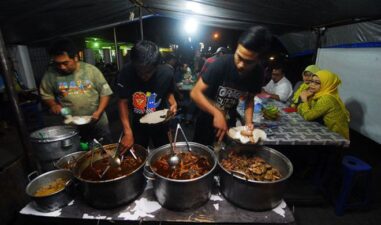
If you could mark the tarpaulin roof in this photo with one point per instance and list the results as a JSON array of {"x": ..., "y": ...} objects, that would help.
[{"x": 24, "y": 21}]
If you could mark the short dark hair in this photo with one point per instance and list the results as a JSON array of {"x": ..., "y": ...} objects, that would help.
[
  {"x": 257, "y": 39},
  {"x": 145, "y": 53},
  {"x": 279, "y": 66},
  {"x": 170, "y": 56},
  {"x": 63, "y": 46}
]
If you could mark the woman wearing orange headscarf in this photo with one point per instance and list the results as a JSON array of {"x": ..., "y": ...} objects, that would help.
[{"x": 322, "y": 101}]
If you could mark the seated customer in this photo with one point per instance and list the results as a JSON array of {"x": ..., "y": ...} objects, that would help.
[
  {"x": 322, "y": 102},
  {"x": 303, "y": 85},
  {"x": 279, "y": 87}
]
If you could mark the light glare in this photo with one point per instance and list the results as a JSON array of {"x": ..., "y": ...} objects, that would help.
[{"x": 190, "y": 26}]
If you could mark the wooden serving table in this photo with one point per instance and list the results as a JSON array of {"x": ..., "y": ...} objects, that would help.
[{"x": 145, "y": 209}]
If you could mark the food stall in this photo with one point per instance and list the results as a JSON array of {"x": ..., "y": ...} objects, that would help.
[{"x": 204, "y": 186}]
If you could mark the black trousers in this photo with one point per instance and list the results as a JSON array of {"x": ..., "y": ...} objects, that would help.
[
  {"x": 156, "y": 133},
  {"x": 205, "y": 133},
  {"x": 98, "y": 130}
]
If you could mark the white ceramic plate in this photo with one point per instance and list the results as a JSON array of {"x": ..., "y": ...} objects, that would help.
[
  {"x": 154, "y": 117},
  {"x": 78, "y": 120},
  {"x": 235, "y": 134}
]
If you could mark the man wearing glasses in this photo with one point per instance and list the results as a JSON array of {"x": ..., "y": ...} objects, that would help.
[
  {"x": 279, "y": 87},
  {"x": 81, "y": 87},
  {"x": 223, "y": 82}
]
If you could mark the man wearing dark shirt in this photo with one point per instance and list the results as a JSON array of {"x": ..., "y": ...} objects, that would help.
[
  {"x": 224, "y": 81},
  {"x": 144, "y": 87}
]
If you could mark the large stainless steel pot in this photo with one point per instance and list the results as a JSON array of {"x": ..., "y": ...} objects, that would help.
[
  {"x": 250, "y": 194},
  {"x": 52, "y": 143},
  {"x": 55, "y": 200},
  {"x": 114, "y": 192},
  {"x": 182, "y": 194}
]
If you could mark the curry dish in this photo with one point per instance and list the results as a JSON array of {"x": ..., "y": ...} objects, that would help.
[
  {"x": 253, "y": 167},
  {"x": 191, "y": 166},
  {"x": 51, "y": 188},
  {"x": 127, "y": 166}
]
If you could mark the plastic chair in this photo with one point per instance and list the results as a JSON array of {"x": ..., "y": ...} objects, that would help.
[{"x": 353, "y": 170}]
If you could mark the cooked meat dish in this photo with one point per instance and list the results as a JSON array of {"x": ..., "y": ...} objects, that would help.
[
  {"x": 127, "y": 166},
  {"x": 191, "y": 166},
  {"x": 254, "y": 167}
]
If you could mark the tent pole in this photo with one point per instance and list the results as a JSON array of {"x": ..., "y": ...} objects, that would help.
[
  {"x": 141, "y": 23},
  {"x": 21, "y": 126},
  {"x": 116, "y": 50},
  {"x": 319, "y": 32}
]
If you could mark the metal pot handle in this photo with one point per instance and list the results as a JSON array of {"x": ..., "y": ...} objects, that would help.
[
  {"x": 147, "y": 172},
  {"x": 239, "y": 173},
  {"x": 67, "y": 143},
  {"x": 55, "y": 164},
  {"x": 32, "y": 175}
]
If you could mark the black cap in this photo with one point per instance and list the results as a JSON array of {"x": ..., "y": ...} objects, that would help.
[{"x": 221, "y": 49}]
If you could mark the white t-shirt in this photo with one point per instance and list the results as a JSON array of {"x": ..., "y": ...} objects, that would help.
[{"x": 283, "y": 88}]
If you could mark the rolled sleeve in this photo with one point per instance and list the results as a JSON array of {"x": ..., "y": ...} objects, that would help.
[
  {"x": 102, "y": 86},
  {"x": 46, "y": 88}
]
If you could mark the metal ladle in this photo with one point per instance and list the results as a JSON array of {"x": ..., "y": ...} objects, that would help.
[
  {"x": 113, "y": 160},
  {"x": 174, "y": 160}
]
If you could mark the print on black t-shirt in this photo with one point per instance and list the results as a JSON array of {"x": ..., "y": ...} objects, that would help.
[
  {"x": 145, "y": 102},
  {"x": 145, "y": 97},
  {"x": 226, "y": 86},
  {"x": 227, "y": 97}
]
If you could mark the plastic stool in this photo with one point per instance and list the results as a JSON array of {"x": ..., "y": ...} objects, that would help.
[{"x": 353, "y": 168}]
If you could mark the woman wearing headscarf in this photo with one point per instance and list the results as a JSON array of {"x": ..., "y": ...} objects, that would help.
[
  {"x": 307, "y": 74},
  {"x": 322, "y": 102}
]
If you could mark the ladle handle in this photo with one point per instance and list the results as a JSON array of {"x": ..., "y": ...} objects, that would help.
[
  {"x": 118, "y": 145},
  {"x": 171, "y": 141}
]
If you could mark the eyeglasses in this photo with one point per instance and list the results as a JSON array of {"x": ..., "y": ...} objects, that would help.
[
  {"x": 317, "y": 82},
  {"x": 64, "y": 63}
]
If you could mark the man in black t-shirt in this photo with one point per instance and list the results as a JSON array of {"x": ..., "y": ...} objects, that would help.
[
  {"x": 144, "y": 87},
  {"x": 226, "y": 79}
]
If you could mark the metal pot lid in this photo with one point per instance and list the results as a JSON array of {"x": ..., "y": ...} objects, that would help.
[{"x": 54, "y": 133}]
